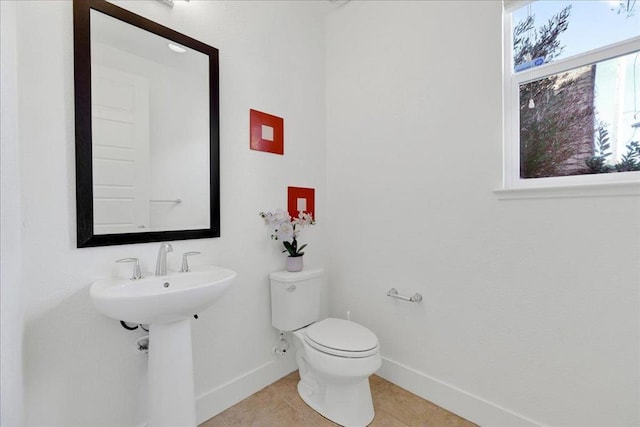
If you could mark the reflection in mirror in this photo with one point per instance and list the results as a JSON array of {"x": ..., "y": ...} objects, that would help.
[
  {"x": 150, "y": 131},
  {"x": 153, "y": 140}
]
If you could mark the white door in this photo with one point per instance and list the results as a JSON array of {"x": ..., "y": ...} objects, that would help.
[{"x": 120, "y": 105}]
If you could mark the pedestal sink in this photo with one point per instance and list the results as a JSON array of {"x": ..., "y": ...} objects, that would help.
[{"x": 167, "y": 304}]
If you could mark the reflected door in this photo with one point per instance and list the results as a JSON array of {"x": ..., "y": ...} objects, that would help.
[{"x": 120, "y": 130}]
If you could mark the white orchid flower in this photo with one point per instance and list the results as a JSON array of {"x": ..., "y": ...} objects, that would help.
[
  {"x": 284, "y": 231},
  {"x": 282, "y": 217},
  {"x": 304, "y": 219}
]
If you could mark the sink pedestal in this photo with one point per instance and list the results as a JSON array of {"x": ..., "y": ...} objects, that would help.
[
  {"x": 171, "y": 388},
  {"x": 167, "y": 304}
]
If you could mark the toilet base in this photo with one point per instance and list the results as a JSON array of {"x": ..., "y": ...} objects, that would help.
[{"x": 347, "y": 403}]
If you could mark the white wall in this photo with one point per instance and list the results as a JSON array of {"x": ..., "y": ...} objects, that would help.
[
  {"x": 11, "y": 314},
  {"x": 81, "y": 368},
  {"x": 530, "y": 311},
  {"x": 178, "y": 136}
]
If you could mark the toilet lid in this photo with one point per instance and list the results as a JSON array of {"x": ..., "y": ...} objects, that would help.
[{"x": 342, "y": 338}]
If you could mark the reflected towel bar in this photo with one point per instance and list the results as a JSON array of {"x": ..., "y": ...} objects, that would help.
[
  {"x": 393, "y": 293},
  {"x": 176, "y": 201}
]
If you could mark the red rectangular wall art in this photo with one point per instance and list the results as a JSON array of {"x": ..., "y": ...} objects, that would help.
[
  {"x": 266, "y": 132},
  {"x": 301, "y": 200}
]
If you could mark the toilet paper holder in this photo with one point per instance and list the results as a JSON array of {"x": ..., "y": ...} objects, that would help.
[{"x": 393, "y": 293}]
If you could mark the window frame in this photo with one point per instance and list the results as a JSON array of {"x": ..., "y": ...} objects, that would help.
[{"x": 511, "y": 115}]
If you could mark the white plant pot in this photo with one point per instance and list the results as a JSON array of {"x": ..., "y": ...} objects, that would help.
[{"x": 294, "y": 263}]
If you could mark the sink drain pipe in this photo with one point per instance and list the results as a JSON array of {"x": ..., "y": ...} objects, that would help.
[
  {"x": 143, "y": 344},
  {"x": 133, "y": 328}
]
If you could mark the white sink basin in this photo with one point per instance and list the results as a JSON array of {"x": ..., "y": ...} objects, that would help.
[{"x": 161, "y": 299}]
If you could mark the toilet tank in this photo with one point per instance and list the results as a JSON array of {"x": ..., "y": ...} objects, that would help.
[{"x": 295, "y": 298}]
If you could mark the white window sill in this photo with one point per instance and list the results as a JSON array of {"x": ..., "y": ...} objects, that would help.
[{"x": 566, "y": 191}]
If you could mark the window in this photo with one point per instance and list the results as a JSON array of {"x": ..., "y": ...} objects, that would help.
[{"x": 572, "y": 93}]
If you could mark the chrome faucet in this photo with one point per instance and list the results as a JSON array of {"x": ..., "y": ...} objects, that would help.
[{"x": 161, "y": 263}]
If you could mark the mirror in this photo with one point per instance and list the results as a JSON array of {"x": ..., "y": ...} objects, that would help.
[{"x": 147, "y": 130}]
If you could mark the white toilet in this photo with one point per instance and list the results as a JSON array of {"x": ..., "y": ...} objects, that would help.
[{"x": 335, "y": 356}]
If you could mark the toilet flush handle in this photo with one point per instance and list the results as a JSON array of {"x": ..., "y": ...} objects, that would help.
[{"x": 291, "y": 288}]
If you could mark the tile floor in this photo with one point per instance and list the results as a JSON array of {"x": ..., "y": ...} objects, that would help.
[{"x": 279, "y": 405}]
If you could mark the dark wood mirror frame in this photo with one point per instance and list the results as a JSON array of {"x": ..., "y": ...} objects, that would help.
[{"x": 84, "y": 166}]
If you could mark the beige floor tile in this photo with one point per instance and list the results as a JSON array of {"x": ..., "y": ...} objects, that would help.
[
  {"x": 375, "y": 381},
  {"x": 283, "y": 416},
  {"x": 382, "y": 419},
  {"x": 254, "y": 410},
  {"x": 298, "y": 403},
  {"x": 403, "y": 405},
  {"x": 445, "y": 418},
  {"x": 214, "y": 422},
  {"x": 314, "y": 419},
  {"x": 287, "y": 387},
  {"x": 279, "y": 405}
]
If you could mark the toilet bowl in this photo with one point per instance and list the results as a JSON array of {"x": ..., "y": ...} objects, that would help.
[
  {"x": 335, "y": 357},
  {"x": 334, "y": 374}
]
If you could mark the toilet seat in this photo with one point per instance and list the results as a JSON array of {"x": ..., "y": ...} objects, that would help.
[{"x": 342, "y": 338}]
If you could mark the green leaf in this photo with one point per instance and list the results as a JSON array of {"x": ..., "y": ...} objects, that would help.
[{"x": 290, "y": 248}]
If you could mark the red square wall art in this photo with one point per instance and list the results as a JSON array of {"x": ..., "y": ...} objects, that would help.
[
  {"x": 301, "y": 200},
  {"x": 266, "y": 132}
]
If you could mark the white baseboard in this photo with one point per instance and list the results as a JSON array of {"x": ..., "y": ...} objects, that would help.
[
  {"x": 214, "y": 401},
  {"x": 460, "y": 402}
]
